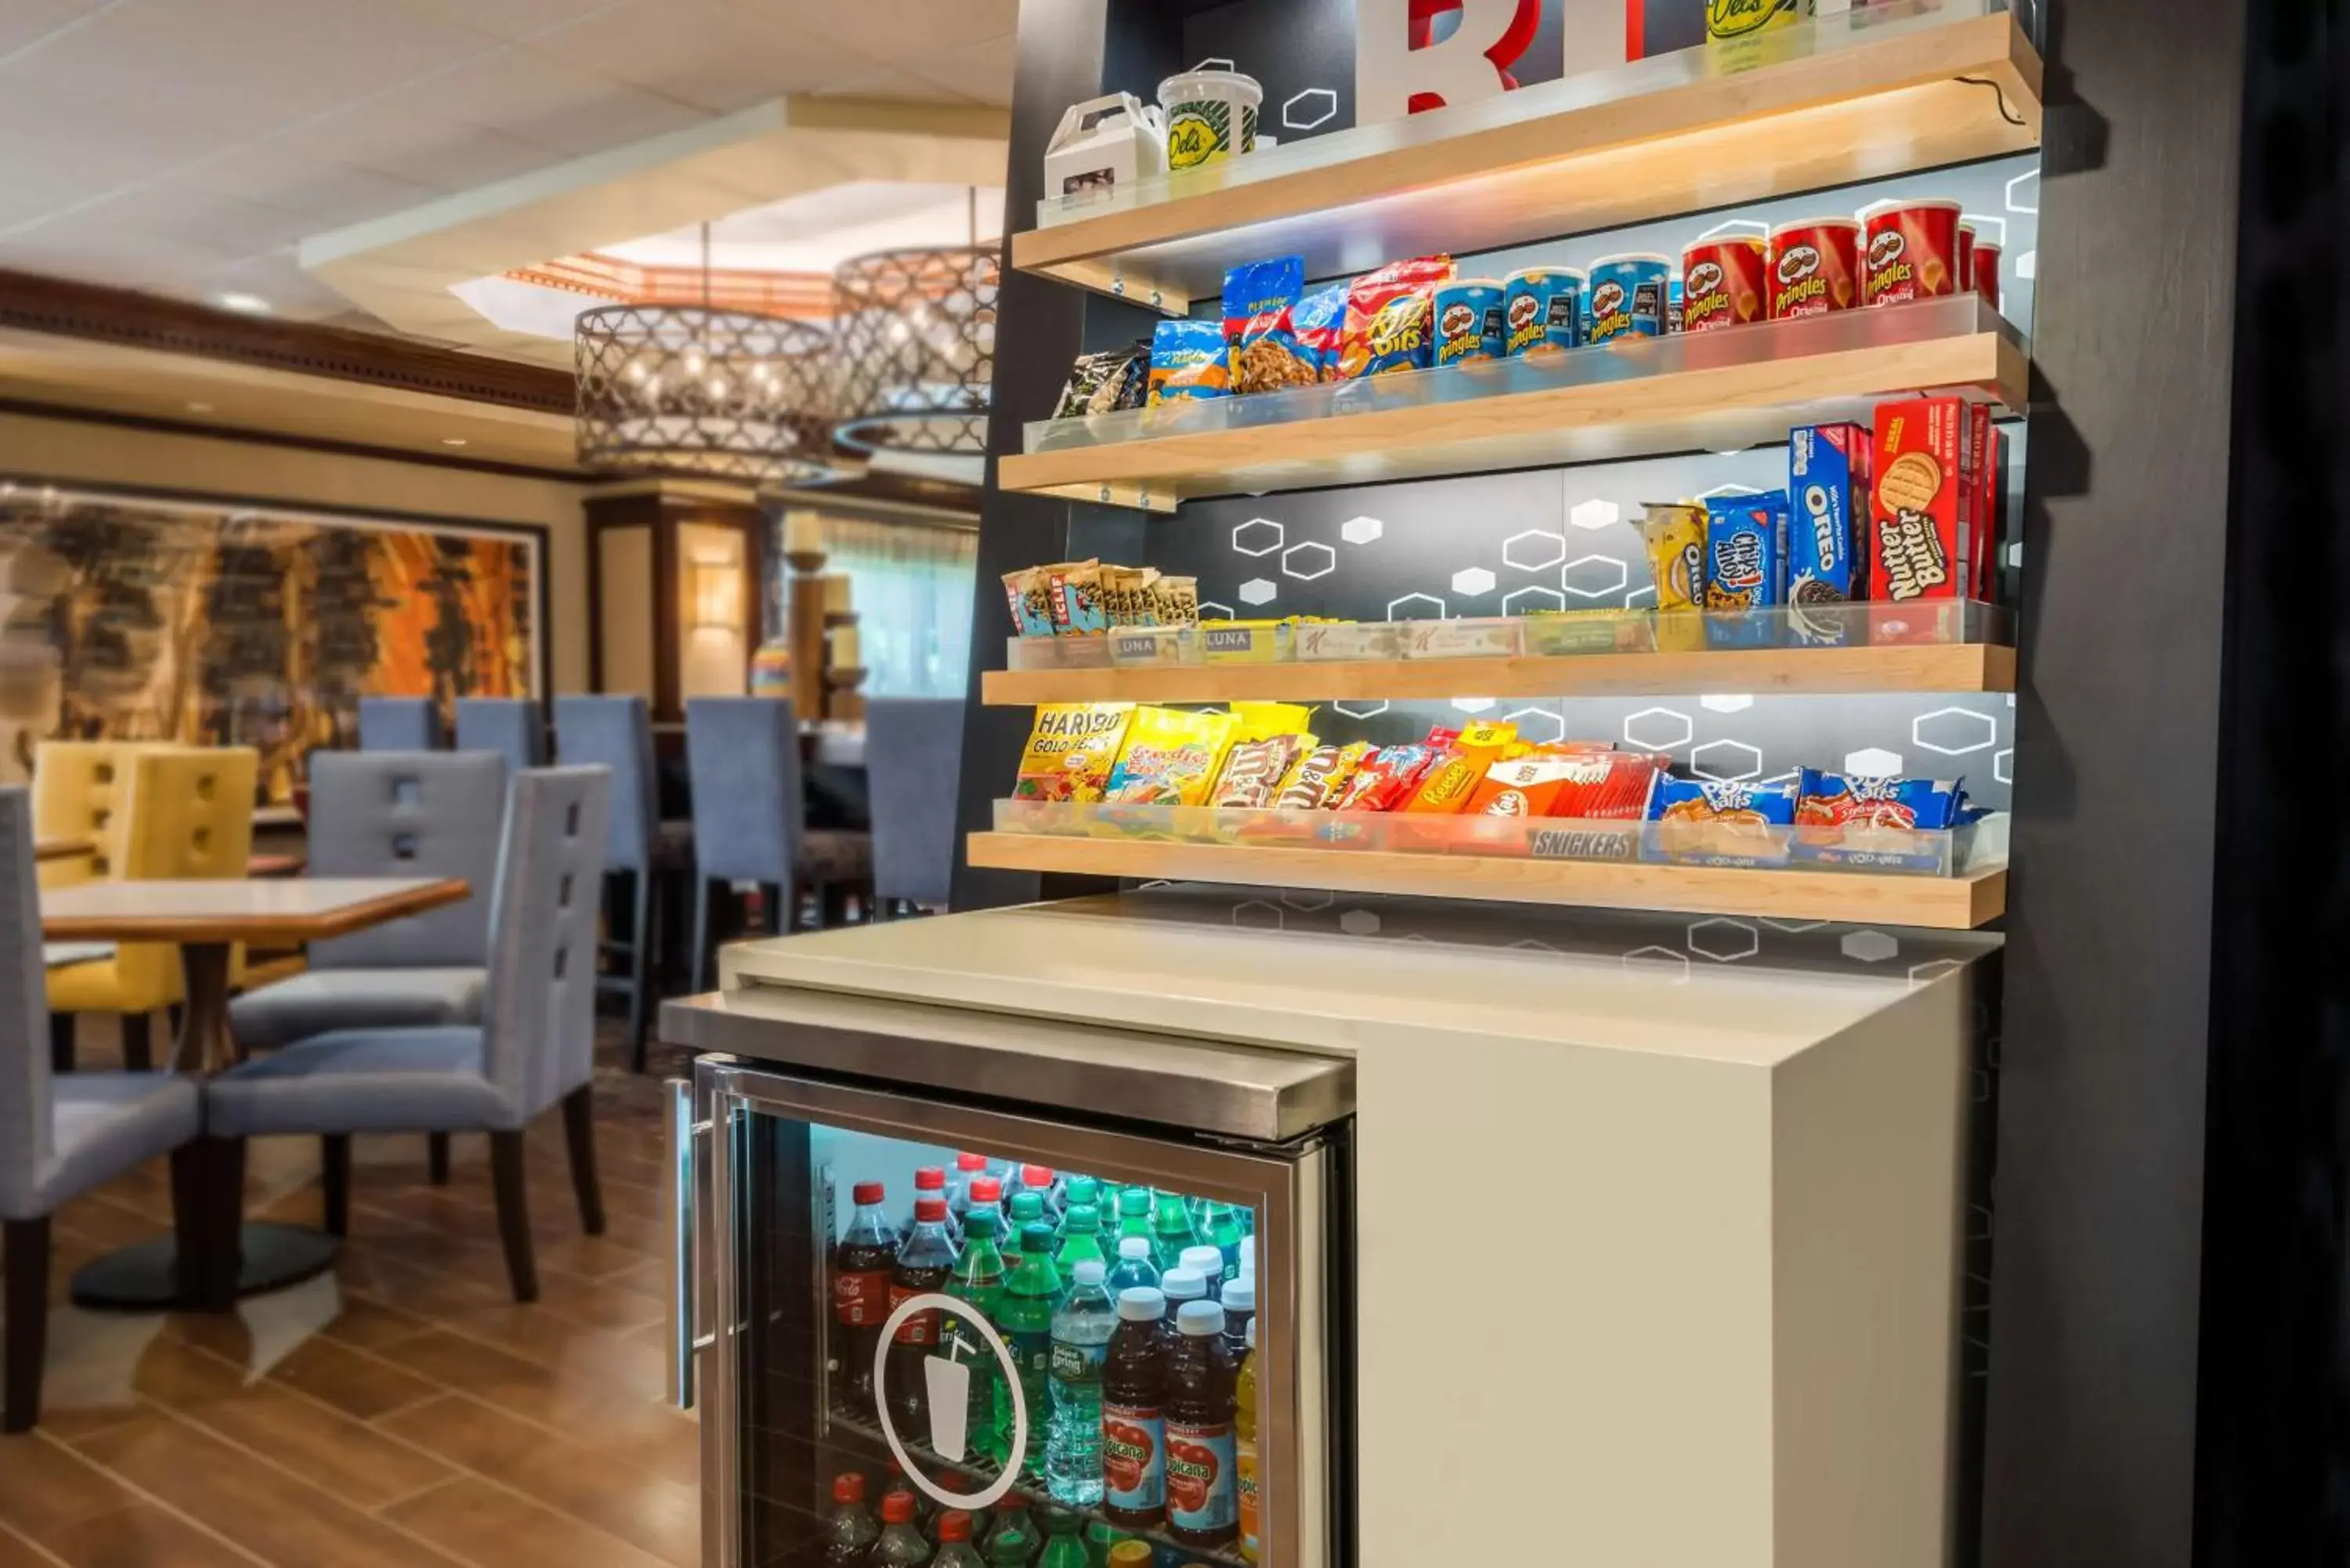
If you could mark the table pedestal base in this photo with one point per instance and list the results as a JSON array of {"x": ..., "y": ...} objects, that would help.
[{"x": 146, "y": 1278}]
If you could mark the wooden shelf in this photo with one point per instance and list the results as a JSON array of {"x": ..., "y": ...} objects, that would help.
[
  {"x": 1946, "y": 903},
  {"x": 1844, "y": 100},
  {"x": 1716, "y": 391},
  {"x": 1949, "y": 667}
]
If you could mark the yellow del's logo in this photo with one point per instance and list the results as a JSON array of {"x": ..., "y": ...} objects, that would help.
[
  {"x": 1193, "y": 135},
  {"x": 1736, "y": 19}
]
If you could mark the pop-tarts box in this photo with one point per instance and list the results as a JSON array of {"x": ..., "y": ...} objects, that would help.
[{"x": 1828, "y": 493}]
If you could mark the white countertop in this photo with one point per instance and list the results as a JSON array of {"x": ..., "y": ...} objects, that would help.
[{"x": 1353, "y": 976}]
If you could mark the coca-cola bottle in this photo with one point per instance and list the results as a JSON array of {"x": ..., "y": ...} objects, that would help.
[{"x": 861, "y": 1267}]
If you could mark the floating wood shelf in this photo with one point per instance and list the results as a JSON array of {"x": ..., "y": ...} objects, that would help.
[
  {"x": 1715, "y": 391},
  {"x": 1951, "y": 666},
  {"x": 1946, "y": 903},
  {"x": 1859, "y": 96}
]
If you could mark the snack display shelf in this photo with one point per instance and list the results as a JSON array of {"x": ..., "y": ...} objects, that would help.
[
  {"x": 1953, "y": 881},
  {"x": 1837, "y": 650},
  {"x": 1877, "y": 92},
  {"x": 1721, "y": 390}
]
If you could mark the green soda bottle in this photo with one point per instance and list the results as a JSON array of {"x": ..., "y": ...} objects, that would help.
[
  {"x": 1134, "y": 1215},
  {"x": 1014, "y": 1540},
  {"x": 978, "y": 1280},
  {"x": 1082, "y": 1189},
  {"x": 1025, "y": 1315},
  {"x": 1027, "y": 1209},
  {"x": 1081, "y": 1239},
  {"x": 1100, "y": 1536},
  {"x": 1172, "y": 1231},
  {"x": 1063, "y": 1549},
  {"x": 1225, "y": 1235}
]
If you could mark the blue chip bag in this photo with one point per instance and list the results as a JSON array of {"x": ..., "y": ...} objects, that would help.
[
  {"x": 1320, "y": 324},
  {"x": 1189, "y": 360},
  {"x": 1721, "y": 822},
  {"x": 1889, "y": 823},
  {"x": 1259, "y": 288}
]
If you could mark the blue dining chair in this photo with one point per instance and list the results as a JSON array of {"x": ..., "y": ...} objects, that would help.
[
  {"x": 60, "y": 1135},
  {"x": 399, "y": 724},
  {"x": 616, "y": 733},
  {"x": 533, "y": 1048},
  {"x": 510, "y": 726},
  {"x": 913, "y": 754},
  {"x": 750, "y": 815}
]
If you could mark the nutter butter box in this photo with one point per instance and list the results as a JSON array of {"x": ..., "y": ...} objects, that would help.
[{"x": 1917, "y": 511}]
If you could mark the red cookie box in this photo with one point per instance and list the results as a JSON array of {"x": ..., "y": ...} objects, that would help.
[{"x": 1921, "y": 507}]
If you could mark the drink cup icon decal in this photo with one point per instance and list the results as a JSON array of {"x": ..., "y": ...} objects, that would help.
[{"x": 948, "y": 1386}]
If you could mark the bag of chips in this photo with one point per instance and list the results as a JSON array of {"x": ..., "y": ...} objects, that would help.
[
  {"x": 1260, "y": 288},
  {"x": 1101, "y": 383},
  {"x": 1071, "y": 751},
  {"x": 1189, "y": 360},
  {"x": 1170, "y": 757},
  {"x": 1391, "y": 318}
]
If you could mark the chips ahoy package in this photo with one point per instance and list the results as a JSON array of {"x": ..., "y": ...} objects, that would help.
[{"x": 1746, "y": 569}]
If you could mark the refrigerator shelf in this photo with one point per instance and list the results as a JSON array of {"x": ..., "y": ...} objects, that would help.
[
  {"x": 1709, "y": 392},
  {"x": 1952, "y": 881},
  {"x": 1946, "y": 646},
  {"x": 1876, "y": 92}
]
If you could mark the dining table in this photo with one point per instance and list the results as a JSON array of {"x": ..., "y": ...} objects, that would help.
[{"x": 208, "y": 919}]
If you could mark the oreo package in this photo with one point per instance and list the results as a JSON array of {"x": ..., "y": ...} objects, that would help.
[
  {"x": 1893, "y": 824},
  {"x": 1746, "y": 569},
  {"x": 1828, "y": 490}
]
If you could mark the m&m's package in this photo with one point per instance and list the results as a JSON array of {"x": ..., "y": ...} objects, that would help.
[
  {"x": 1320, "y": 778},
  {"x": 1253, "y": 770},
  {"x": 1071, "y": 751}
]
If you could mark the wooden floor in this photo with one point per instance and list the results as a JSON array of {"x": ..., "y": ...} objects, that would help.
[{"x": 403, "y": 1411}]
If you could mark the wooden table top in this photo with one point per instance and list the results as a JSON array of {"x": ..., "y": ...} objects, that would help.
[
  {"x": 297, "y": 909},
  {"x": 47, "y": 850}
]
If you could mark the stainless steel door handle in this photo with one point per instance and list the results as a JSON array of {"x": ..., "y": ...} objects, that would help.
[{"x": 680, "y": 1132}]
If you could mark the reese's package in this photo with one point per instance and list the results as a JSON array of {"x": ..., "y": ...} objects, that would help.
[
  {"x": 1071, "y": 751},
  {"x": 1189, "y": 360},
  {"x": 1391, "y": 318}
]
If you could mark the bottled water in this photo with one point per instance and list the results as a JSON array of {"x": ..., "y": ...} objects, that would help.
[{"x": 1082, "y": 1325}]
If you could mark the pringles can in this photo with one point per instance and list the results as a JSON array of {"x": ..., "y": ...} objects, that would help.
[
  {"x": 1469, "y": 321},
  {"x": 1912, "y": 251},
  {"x": 1541, "y": 308},
  {"x": 1814, "y": 268},
  {"x": 1725, "y": 282},
  {"x": 1629, "y": 297},
  {"x": 1983, "y": 269}
]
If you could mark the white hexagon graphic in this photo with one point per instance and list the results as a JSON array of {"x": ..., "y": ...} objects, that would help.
[
  {"x": 1932, "y": 969},
  {"x": 1724, "y": 942},
  {"x": 1222, "y": 611},
  {"x": 1645, "y": 593},
  {"x": 1656, "y": 727},
  {"x": 1726, "y": 760},
  {"x": 1538, "y": 725},
  {"x": 1263, "y": 540},
  {"x": 1361, "y": 530},
  {"x": 1215, "y": 63},
  {"x": 1870, "y": 947},
  {"x": 1360, "y": 710},
  {"x": 1719, "y": 703},
  {"x": 1875, "y": 762},
  {"x": 1473, "y": 705},
  {"x": 2027, "y": 266},
  {"x": 1256, "y": 915},
  {"x": 1318, "y": 561},
  {"x": 1472, "y": 580},
  {"x": 1259, "y": 591},
  {"x": 1790, "y": 776},
  {"x": 1309, "y": 111},
  {"x": 1958, "y": 731},
  {"x": 1658, "y": 963},
  {"x": 1416, "y": 936},
  {"x": 2002, "y": 764},
  {"x": 1535, "y": 550},
  {"x": 1416, "y": 607},
  {"x": 1793, "y": 927},
  {"x": 2014, "y": 192},
  {"x": 1533, "y": 945},
  {"x": 1600, "y": 577},
  {"x": 1728, "y": 489},
  {"x": 2015, "y": 554},
  {"x": 1513, "y": 601},
  {"x": 1308, "y": 901},
  {"x": 1986, "y": 224},
  {"x": 1593, "y": 515}
]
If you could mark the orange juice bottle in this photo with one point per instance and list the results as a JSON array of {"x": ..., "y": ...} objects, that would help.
[{"x": 1245, "y": 1445}]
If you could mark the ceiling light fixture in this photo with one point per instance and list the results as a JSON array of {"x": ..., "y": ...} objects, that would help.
[
  {"x": 199, "y": 408},
  {"x": 915, "y": 330},
  {"x": 244, "y": 304},
  {"x": 688, "y": 389},
  {"x": 452, "y": 441}
]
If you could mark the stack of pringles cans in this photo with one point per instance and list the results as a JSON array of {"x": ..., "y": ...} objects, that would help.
[{"x": 1893, "y": 253}]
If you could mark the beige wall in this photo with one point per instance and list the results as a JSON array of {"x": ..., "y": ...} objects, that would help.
[{"x": 68, "y": 449}]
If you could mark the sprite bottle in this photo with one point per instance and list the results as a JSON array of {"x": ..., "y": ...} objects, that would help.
[
  {"x": 1025, "y": 1315},
  {"x": 978, "y": 1282}
]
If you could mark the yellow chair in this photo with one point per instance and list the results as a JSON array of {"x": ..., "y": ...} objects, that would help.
[
  {"x": 79, "y": 791},
  {"x": 158, "y": 812}
]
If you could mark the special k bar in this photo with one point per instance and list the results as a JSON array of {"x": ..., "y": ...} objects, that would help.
[{"x": 1917, "y": 502}]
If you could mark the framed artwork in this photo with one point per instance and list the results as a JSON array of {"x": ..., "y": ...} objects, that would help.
[{"x": 212, "y": 620}]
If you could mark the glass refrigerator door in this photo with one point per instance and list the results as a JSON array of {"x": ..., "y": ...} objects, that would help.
[{"x": 904, "y": 1348}]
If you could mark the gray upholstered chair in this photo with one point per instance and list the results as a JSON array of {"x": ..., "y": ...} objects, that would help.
[
  {"x": 616, "y": 733},
  {"x": 399, "y": 724},
  {"x": 392, "y": 814},
  {"x": 60, "y": 1136},
  {"x": 510, "y": 726},
  {"x": 536, "y": 1045},
  {"x": 750, "y": 815},
  {"x": 913, "y": 756}
]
